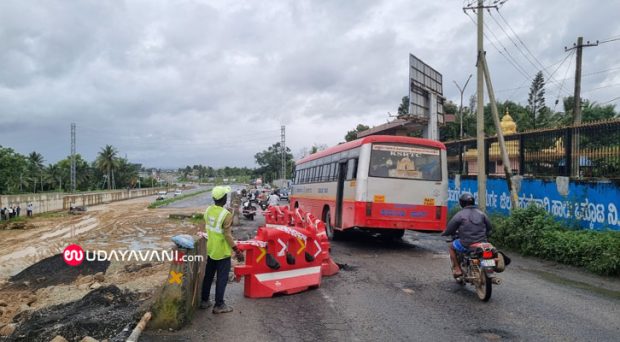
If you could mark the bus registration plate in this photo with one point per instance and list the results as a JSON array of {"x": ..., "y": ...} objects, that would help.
[{"x": 429, "y": 201}]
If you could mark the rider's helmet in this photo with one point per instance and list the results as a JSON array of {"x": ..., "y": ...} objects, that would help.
[{"x": 466, "y": 199}]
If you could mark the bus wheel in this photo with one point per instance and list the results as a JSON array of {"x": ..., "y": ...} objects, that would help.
[{"x": 329, "y": 229}]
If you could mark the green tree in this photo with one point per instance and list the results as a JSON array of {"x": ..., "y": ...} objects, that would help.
[
  {"x": 53, "y": 174},
  {"x": 270, "y": 162},
  {"x": 35, "y": 169},
  {"x": 13, "y": 169},
  {"x": 107, "y": 162},
  {"x": 539, "y": 113},
  {"x": 403, "y": 108},
  {"x": 352, "y": 135}
]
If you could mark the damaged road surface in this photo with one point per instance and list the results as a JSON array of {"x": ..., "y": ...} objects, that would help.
[{"x": 403, "y": 291}]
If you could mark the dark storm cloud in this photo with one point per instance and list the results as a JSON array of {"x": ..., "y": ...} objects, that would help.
[{"x": 182, "y": 82}]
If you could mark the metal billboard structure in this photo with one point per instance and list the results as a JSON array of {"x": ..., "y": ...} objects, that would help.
[{"x": 425, "y": 96}]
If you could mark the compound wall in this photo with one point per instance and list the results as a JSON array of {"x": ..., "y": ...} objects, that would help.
[
  {"x": 62, "y": 201},
  {"x": 587, "y": 204}
]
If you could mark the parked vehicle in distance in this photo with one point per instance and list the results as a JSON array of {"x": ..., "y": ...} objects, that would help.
[
  {"x": 177, "y": 193},
  {"x": 283, "y": 193},
  {"x": 161, "y": 195}
]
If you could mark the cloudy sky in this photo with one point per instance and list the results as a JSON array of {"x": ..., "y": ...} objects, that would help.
[{"x": 181, "y": 82}]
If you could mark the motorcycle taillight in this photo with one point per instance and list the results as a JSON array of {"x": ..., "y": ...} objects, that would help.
[{"x": 487, "y": 255}]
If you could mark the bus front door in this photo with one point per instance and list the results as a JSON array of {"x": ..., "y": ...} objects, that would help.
[{"x": 342, "y": 175}]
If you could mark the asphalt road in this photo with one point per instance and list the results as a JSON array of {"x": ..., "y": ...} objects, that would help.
[
  {"x": 202, "y": 200},
  {"x": 403, "y": 291}
]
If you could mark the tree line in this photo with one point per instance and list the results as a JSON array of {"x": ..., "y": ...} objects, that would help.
[
  {"x": 534, "y": 115},
  {"x": 28, "y": 173}
]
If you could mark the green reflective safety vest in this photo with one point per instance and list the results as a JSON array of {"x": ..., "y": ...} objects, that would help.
[{"x": 217, "y": 247}]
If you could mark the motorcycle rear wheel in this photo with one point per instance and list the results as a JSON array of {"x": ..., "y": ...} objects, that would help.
[{"x": 484, "y": 287}]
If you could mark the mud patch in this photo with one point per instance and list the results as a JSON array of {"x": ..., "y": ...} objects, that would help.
[
  {"x": 492, "y": 334},
  {"x": 347, "y": 267},
  {"x": 54, "y": 271},
  {"x": 102, "y": 313}
]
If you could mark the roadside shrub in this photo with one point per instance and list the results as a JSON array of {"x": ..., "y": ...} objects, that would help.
[{"x": 532, "y": 231}]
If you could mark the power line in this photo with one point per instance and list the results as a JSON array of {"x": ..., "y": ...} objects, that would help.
[
  {"x": 500, "y": 51},
  {"x": 612, "y": 100},
  {"x": 557, "y": 82},
  {"x": 518, "y": 38},
  {"x": 514, "y": 43},
  {"x": 506, "y": 50},
  {"x": 557, "y": 99},
  {"x": 608, "y": 40}
]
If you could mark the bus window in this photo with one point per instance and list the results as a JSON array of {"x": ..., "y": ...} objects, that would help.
[
  {"x": 352, "y": 169},
  {"x": 319, "y": 170},
  {"x": 405, "y": 161},
  {"x": 328, "y": 173},
  {"x": 334, "y": 171}
]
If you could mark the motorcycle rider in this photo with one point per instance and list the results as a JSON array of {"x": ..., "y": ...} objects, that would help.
[{"x": 472, "y": 226}]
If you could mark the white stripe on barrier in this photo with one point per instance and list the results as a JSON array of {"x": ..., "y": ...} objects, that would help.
[
  {"x": 287, "y": 230},
  {"x": 288, "y": 274}
]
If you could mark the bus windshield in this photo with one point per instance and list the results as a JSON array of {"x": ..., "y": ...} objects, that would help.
[{"x": 405, "y": 161}]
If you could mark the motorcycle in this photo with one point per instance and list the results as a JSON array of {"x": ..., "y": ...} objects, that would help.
[
  {"x": 248, "y": 210},
  {"x": 479, "y": 266},
  {"x": 264, "y": 204}
]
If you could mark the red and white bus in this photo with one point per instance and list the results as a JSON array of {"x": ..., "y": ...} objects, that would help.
[{"x": 387, "y": 183}]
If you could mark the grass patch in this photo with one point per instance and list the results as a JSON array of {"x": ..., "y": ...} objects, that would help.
[
  {"x": 533, "y": 231},
  {"x": 158, "y": 204}
]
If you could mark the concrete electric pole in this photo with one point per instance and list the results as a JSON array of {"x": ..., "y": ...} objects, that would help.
[
  {"x": 73, "y": 169},
  {"x": 577, "y": 102},
  {"x": 283, "y": 155}
]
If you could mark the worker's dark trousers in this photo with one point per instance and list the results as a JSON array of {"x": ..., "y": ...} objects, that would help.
[{"x": 221, "y": 267}]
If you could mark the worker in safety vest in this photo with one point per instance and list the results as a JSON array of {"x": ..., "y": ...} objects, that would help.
[{"x": 220, "y": 245}]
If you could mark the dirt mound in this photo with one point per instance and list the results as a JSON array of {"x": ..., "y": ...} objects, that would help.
[
  {"x": 53, "y": 271},
  {"x": 102, "y": 313}
]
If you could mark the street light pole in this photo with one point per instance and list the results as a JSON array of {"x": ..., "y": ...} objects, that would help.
[{"x": 462, "y": 90}]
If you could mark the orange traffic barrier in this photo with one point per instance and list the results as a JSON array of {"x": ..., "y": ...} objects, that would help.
[{"x": 289, "y": 254}]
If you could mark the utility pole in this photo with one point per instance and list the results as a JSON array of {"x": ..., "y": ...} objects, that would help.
[
  {"x": 462, "y": 90},
  {"x": 577, "y": 102},
  {"x": 73, "y": 171},
  {"x": 283, "y": 154},
  {"x": 500, "y": 135}
]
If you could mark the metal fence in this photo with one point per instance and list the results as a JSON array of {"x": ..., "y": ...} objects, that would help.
[{"x": 587, "y": 151}]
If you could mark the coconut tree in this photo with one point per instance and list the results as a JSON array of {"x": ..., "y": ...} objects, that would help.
[
  {"x": 35, "y": 168},
  {"x": 107, "y": 162},
  {"x": 54, "y": 175}
]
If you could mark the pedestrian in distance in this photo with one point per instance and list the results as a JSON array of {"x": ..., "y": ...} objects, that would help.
[
  {"x": 18, "y": 210},
  {"x": 29, "y": 210},
  {"x": 220, "y": 245},
  {"x": 10, "y": 212},
  {"x": 2, "y": 213}
]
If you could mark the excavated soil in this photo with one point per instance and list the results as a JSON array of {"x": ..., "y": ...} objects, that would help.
[
  {"x": 53, "y": 271},
  {"x": 102, "y": 313},
  {"x": 46, "y": 297}
]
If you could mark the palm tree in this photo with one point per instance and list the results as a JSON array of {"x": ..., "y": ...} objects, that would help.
[
  {"x": 107, "y": 162},
  {"x": 35, "y": 166},
  {"x": 54, "y": 175}
]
